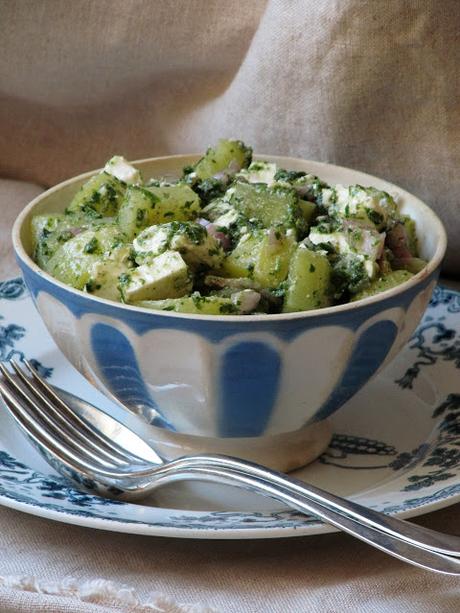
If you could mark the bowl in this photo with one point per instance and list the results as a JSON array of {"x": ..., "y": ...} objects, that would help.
[{"x": 261, "y": 387}]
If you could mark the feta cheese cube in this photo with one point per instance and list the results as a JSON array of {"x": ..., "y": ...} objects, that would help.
[
  {"x": 365, "y": 243},
  {"x": 369, "y": 205},
  {"x": 191, "y": 240},
  {"x": 165, "y": 276},
  {"x": 259, "y": 172},
  {"x": 122, "y": 169}
]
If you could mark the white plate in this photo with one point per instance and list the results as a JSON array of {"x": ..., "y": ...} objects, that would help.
[{"x": 396, "y": 447}]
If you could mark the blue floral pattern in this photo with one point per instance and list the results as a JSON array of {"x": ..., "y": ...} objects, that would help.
[
  {"x": 419, "y": 471},
  {"x": 446, "y": 297},
  {"x": 433, "y": 341},
  {"x": 12, "y": 289}
]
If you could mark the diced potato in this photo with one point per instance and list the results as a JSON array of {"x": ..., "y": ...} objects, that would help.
[
  {"x": 308, "y": 283},
  {"x": 49, "y": 232},
  {"x": 98, "y": 197},
  {"x": 413, "y": 265},
  {"x": 239, "y": 303},
  {"x": 72, "y": 262},
  {"x": 390, "y": 280},
  {"x": 307, "y": 210},
  {"x": 222, "y": 157},
  {"x": 263, "y": 256},
  {"x": 411, "y": 232},
  {"x": 165, "y": 276},
  {"x": 272, "y": 264},
  {"x": 122, "y": 169},
  {"x": 191, "y": 240},
  {"x": 242, "y": 260},
  {"x": 271, "y": 207},
  {"x": 104, "y": 273},
  {"x": 144, "y": 207}
]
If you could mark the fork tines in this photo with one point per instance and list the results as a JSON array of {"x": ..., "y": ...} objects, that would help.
[{"x": 51, "y": 422}]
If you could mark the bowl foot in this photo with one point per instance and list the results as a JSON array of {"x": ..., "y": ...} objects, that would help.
[{"x": 283, "y": 452}]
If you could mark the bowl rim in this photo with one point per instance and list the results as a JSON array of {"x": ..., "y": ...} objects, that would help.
[{"x": 431, "y": 266}]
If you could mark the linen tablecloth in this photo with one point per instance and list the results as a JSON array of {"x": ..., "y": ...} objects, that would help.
[{"x": 50, "y": 567}]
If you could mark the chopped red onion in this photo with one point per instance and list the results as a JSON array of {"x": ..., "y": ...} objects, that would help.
[
  {"x": 221, "y": 176},
  {"x": 223, "y": 239},
  {"x": 233, "y": 167},
  {"x": 273, "y": 237},
  {"x": 398, "y": 242},
  {"x": 302, "y": 190},
  {"x": 74, "y": 231}
]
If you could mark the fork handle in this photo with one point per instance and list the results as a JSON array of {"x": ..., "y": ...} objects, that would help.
[
  {"x": 407, "y": 531},
  {"x": 393, "y": 545}
]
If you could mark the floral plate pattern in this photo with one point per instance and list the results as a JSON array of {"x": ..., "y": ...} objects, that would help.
[{"x": 396, "y": 446}]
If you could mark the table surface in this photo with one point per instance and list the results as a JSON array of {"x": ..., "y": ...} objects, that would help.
[{"x": 327, "y": 573}]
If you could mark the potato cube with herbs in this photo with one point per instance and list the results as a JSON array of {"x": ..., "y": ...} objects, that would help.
[
  {"x": 72, "y": 262},
  {"x": 308, "y": 282},
  {"x": 143, "y": 207},
  {"x": 100, "y": 196},
  {"x": 262, "y": 256},
  {"x": 104, "y": 273},
  {"x": 227, "y": 155},
  {"x": 267, "y": 207}
]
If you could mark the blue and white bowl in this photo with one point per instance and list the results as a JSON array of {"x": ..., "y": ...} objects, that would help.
[{"x": 255, "y": 386}]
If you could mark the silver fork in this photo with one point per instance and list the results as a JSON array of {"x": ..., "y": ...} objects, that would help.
[{"x": 99, "y": 451}]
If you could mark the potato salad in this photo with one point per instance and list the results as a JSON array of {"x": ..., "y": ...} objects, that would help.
[{"x": 231, "y": 236}]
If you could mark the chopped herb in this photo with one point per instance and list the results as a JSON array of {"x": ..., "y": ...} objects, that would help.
[
  {"x": 228, "y": 308},
  {"x": 124, "y": 278},
  {"x": 375, "y": 217},
  {"x": 91, "y": 246}
]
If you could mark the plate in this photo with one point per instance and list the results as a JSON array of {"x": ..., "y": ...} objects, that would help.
[{"x": 396, "y": 446}]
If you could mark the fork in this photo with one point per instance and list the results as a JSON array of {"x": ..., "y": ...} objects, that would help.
[{"x": 83, "y": 452}]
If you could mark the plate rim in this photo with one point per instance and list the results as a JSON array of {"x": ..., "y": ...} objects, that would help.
[{"x": 313, "y": 528}]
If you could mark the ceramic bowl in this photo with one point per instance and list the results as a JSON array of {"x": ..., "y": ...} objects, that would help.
[{"x": 255, "y": 386}]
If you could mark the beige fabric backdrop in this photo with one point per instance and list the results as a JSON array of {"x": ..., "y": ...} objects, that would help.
[{"x": 368, "y": 84}]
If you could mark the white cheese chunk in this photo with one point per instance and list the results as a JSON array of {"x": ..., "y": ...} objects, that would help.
[
  {"x": 122, "y": 169},
  {"x": 367, "y": 204},
  {"x": 151, "y": 242},
  {"x": 365, "y": 243},
  {"x": 165, "y": 276},
  {"x": 191, "y": 240},
  {"x": 259, "y": 172},
  {"x": 222, "y": 213}
]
